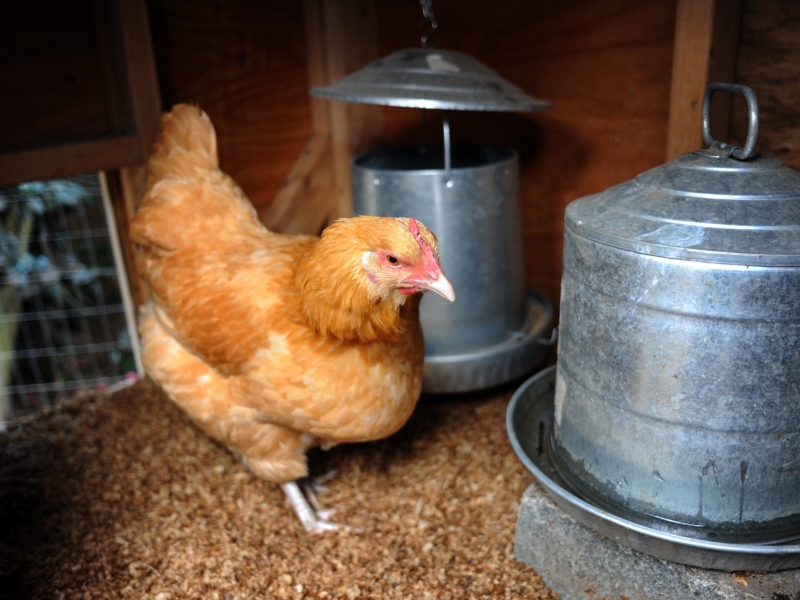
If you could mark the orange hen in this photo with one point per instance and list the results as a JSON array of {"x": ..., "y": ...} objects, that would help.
[{"x": 273, "y": 343}]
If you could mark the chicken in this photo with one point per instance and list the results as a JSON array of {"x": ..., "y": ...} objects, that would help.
[{"x": 272, "y": 343}]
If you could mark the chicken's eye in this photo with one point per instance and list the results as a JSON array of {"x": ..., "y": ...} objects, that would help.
[{"x": 392, "y": 260}]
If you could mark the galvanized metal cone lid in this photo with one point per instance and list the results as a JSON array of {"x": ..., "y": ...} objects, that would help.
[
  {"x": 431, "y": 78},
  {"x": 706, "y": 205}
]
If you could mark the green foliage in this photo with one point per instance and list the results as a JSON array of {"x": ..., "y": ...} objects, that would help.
[{"x": 38, "y": 272}]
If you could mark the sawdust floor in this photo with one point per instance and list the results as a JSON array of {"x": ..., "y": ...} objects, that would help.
[{"x": 120, "y": 496}]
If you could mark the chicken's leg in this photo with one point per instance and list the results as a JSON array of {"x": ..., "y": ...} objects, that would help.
[
  {"x": 311, "y": 486},
  {"x": 314, "y": 522}
]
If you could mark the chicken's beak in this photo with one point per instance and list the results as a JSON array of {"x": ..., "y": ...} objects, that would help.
[{"x": 441, "y": 286}]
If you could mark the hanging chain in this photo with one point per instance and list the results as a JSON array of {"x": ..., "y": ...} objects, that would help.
[{"x": 429, "y": 20}]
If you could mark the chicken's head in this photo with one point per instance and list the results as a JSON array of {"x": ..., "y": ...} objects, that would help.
[
  {"x": 404, "y": 260},
  {"x": 362, "y": 271}
]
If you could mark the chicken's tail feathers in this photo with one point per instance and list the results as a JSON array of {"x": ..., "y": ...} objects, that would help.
[{"x": 186, "y": 145}]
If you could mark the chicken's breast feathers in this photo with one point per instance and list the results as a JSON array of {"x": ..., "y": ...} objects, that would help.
[{"x": 336, "y": 390}]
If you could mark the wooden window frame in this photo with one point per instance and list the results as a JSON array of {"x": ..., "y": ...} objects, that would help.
[{"x": 131, "y": 85}]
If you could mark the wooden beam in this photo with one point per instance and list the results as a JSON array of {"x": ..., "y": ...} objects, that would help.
[
  {"x": 306, "y": 202},
  {"x": 140, "y": 70},
  {"x": 128, "y": 187},
  {"x": 351, "y": 42},
  {"x": 706, "y": 36},
  {"x": 341, "y": 37},
  {"x": 69, "y": 159}
]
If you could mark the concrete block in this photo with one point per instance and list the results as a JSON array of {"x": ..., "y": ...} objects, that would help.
[{"x": 579, "y": 564}]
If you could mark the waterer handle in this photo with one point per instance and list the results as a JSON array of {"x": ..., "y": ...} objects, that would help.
[{"x": 752, "y": 118}]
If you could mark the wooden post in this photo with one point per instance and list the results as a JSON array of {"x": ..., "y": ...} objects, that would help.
[
  {"x": 351, "y": 42},
  {"x": 341, "y": 37},
  {"x": 706, "y": 36}
]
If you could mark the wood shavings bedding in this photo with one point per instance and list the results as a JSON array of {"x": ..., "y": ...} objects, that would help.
[{"x": 120, "y": 496}]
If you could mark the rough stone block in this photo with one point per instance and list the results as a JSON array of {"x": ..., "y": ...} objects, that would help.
[{"x": 579, "y": 564}]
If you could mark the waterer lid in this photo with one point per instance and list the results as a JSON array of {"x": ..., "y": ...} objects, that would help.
[
  {"x": 721, "y": 205},
  {"x": 430, "y": 78}
]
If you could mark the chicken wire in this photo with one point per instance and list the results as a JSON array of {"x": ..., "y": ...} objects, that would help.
[{"x": 63, "y": 325}]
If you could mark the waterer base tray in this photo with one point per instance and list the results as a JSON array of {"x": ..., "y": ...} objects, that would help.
[{"x": 530, "y": 420}]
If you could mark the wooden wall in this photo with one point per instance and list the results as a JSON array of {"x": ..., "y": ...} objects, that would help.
[
  {"x": 78, "y": 91},
  {"x": 605, "y": 66},
  {"x": 769, "y": 61},
  {"x": 244, "y": 63}
]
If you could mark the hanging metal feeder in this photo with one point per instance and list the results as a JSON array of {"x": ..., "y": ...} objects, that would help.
[
  {"x": 430, "y": 78},
  {"x": 468, "y": 195}
]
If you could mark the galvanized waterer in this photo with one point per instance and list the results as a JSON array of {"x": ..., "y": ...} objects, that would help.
[
  {"x": 677, "y": 400},
  {"x": 468, "y": 195}
]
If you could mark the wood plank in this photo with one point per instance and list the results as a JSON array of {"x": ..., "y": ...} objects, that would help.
[
  {"x": 769, "y": 46},
  {"x": 70, "y": 159},
  {"x": 108, "y": 122},
  {"x": 306, "y": 202},
  {"x": 350, "y": 43},
  {"x": 53, "y": 90},
  {"x": 140, "y": 71},
  {"x": 606, "y": 66},
  {"x": 127, "y": 187},
  {"x": 340, "y": 38},
  {"x": 244, "y": 63},
  {"x": 706, "y": 34},
  {"x": 315, "y": 60}
]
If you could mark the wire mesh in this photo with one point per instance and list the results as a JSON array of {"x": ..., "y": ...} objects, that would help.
[{"x": 62, "y": 319}]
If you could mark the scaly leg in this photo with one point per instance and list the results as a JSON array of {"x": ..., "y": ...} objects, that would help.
[
  {"x": 314, "y": 522},
  {"x": 311, "y": 486}
]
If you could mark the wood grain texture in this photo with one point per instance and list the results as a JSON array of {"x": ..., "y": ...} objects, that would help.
[
  {"x": 706, "y": 34},
  {"x": 140, "y": 74},
  {"x": 341, "y": 37},
  {"x": 604, "y": 65},
  {"x": 79, "y": 92},
  {"x": 71, "y": 158},
  {"x": 244, "y": 63},
  {"x": 249, "y": 65},
  {"x": 307, "y": 201},
  {"x": 768, "y": 62},
  {"x": 350, "y": 36},
  {"x": 607, "y": 68}
]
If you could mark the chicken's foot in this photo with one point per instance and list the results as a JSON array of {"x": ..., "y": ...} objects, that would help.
[{"x": 313, "y": 521}]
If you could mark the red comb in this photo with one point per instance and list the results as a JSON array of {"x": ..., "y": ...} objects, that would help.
[{"x": 423, "y": 245}]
